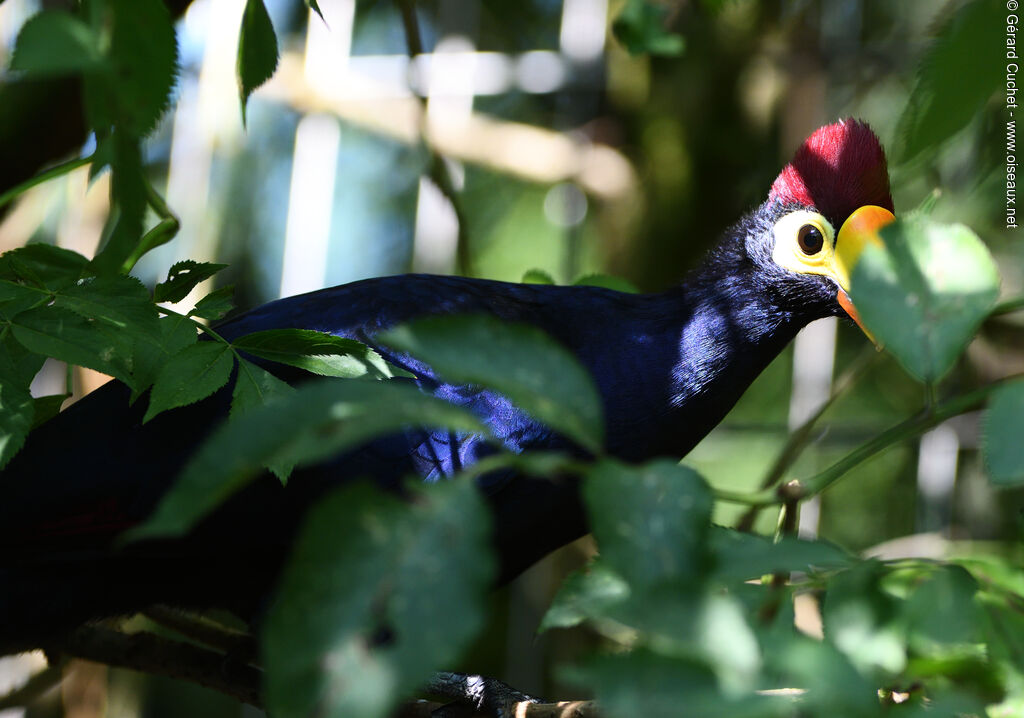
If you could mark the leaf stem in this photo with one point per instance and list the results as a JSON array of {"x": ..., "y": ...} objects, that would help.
[
  {"x": 1008, "y": 307},
  {"x": 162, "y": 233},
  {"x": 53, "y": 172},
  {"x": 202, "y": 327},
  {"x": 905, "y": 430}
]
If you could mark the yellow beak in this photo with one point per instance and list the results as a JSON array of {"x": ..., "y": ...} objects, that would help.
[{"x": 858, "y": 231}]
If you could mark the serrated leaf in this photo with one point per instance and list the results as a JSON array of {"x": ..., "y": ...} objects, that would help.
[
  {"x": 316, "y": 352},
  {"x": 257, "y": 50},
  {"x": 957, "y": 76},
  {"x": 43, "y": 266},
  {"x": 70, "y": 337},
  {"x": 641, "y": 28},
  {"x": 1001, "y": 441},
  {"x": 255, "y": 387},
  {"x": 215, "y": 304},
  {"x": 47, "y": 407},
  {"x": 54, "y": 42},
  {"x": 537, "y": 276},
  {"x": 16, "y": 412},
  {"x": 182, "y": 278},
  {"x": 190, "y": 375},
  {"x": 318, "y": 420},
  {"x": 924, "y": 292},
  {"x": 607, "y": 281},
  {"x": 364, "y": 562},
  {"x": 151, "y": 353},
  {"x": 118, "y": 300},
  {"x": 517, "y": 360},
  {"x": 586, "y": 593},
  {"x": 144, "y": 51},
  {"x": 651, "y": 522},
  {"x": 16, "y": 298}
]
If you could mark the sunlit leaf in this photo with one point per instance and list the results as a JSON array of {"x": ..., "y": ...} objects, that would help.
[
  {"x": 537, "y": 276},
  {"x": 316, "y": 352},
  {"x": 190, "y": 375},
  {"x": 257, "y": 50},
  {"x": 741, "y": 556},
  {"x": 861, "y": 620},
  {"x": 1002, "y": 445},
  {"x": 366, "y": 564},
  {"x": 925, "y": 292},
  {"x": 607, "y": 281},
  {"x": 536, "y": 373},
  {"x": 215, "y": 304},
  {"x": 941, "y": 608},
  {"x": 152, "y": 352},
  {"x": 586, "y": 593}
]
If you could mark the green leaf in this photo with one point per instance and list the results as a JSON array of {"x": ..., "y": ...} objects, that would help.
[
  {"x": 70, "y": 337},
  {"x": 860, "y": 619},
  {"x": 257, "y": 50},
  {"x": 742, "y": 556},
  {"x": 958, "y": 75},
  {"x": 192, "y": 374},
  {"x": 651, "y": 522},
  {"x": 316, "y": 352},
  {"x": 925, "y": 292},
  {"x": 834, "y": 687},
  {"x": 315, "y": 7},
  {"x": 16, "y": 298},
  {"x": 642, "y": 683},
  {"x": 941, "y": 608},
  {"x": 120, "y": 301},
  {"x": 1001, "y": 440},
  {"x": 182, "y": 278},
  {"x": 365, "y": 563},
  {"x": 537, "y": 276},
  {"x": 43, "y": 266},
  {"x": 318, "y": 420},
  {"x": 215, "y": 304},
  {"x": 585, "y": 594},
  {"x": 16, "y": 412},
  {"x": 144, "y": 51},
  {"x": 54, "y": 42},
  {"x": 608, "y": 282},
  {"x": 151, "y": 353},
  {"x": 640, "y": 27},
  {"x": 47, "y": 407},
  {"x": 520, "y": 361},
  {"x": 255, "y": 387}
]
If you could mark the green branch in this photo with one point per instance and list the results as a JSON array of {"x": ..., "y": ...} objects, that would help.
[
  {"x": 53, "y": 172},
  {"x": 914, "y": 426},
  {"x": 162, "y": 233},
  {"x": 437, "y": 171}
]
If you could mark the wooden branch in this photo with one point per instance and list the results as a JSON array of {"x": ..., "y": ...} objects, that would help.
[
  {"x": 240, "y": 646},
  {"x": 150, "y": 653},
  {"x": 562, "y": 709}
]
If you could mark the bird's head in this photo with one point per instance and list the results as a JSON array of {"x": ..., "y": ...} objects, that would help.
[{"x": 823, "y": 208}]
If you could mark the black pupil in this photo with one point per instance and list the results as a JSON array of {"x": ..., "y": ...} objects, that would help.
[{"x": 810, "y": 239}]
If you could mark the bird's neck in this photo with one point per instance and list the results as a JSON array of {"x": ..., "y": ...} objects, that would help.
[{"x": 724, "y": 332}]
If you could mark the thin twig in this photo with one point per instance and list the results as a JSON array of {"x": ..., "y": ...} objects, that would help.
[
  {"x": 801, "y": 437},
  {"x": 56, "y": 171},
  {"x": 907, "y": 429},
  {"x": 437, "y": 170},
  {"x": 240, "y": 646}
]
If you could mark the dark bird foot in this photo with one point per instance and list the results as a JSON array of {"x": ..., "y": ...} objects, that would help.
[{"x": 472, "y": 694}]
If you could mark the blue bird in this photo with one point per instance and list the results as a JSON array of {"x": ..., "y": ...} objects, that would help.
[{"x": 668, "y": 367}]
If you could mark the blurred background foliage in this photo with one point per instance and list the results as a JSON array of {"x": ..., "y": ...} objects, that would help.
[{"x": 575, "y": 150}]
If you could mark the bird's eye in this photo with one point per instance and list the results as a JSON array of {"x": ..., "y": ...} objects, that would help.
[{"x": 810, "y": 239}]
